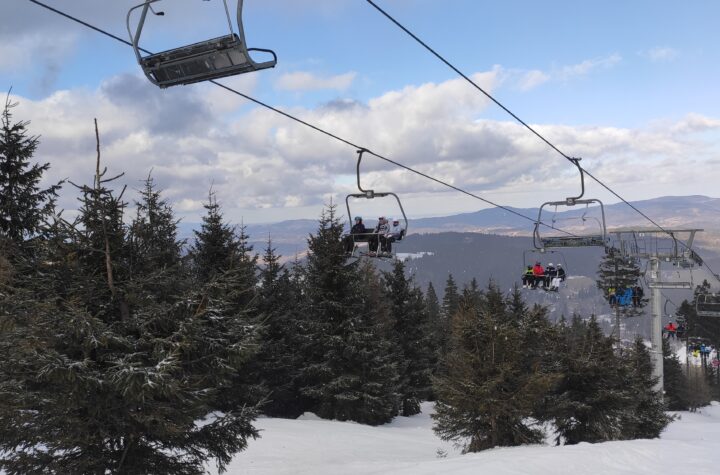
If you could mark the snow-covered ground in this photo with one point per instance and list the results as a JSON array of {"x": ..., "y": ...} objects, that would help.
[{"x": 407, "y": 446}]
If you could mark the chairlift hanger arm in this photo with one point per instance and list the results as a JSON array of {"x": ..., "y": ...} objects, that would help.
[
  {"x": 571, "y": 201},
  {"x": 135, "y": 38},
  {"x": 360, "y": 152}
]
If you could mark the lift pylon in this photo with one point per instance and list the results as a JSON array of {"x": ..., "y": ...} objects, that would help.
[{"x": 669, "y": 246}]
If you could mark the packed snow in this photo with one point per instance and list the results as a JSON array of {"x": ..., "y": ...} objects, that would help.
[{"x": 407, "y": 446}]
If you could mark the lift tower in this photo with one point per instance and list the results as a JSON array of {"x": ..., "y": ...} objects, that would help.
[{"x": 672, "y": 246}]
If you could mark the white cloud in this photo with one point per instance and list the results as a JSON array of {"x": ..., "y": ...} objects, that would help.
[
  {"x": 527, "y": 80},
  {"x": 262, "y": 164},
  {"x": 660, "y": 54},
  {"x": 585, "y": 67},
  {"x": 304, "y": 81},
  {"x": 532, "y": 79}
]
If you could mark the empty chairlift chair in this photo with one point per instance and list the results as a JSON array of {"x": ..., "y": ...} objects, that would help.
[
  {"x": 708, "y": 305},
  {"x": 203, "y": 61},
  {"x": 590, "y": 236}
]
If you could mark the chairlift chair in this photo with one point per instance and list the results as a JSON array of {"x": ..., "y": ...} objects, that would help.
[
  {"x": 597, "y": 239},
  {"x": 370, "y": 194},
  {"x": 215, "y": 58},
  {"x": 708, "y": 305}
]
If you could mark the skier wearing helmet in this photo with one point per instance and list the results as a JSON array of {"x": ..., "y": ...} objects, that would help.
[
  {"x": 358, "y": 233},
  {"x": 550, "y": 274}
]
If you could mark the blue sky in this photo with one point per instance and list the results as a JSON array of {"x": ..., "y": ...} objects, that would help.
[{"x": 628, "y": 85}]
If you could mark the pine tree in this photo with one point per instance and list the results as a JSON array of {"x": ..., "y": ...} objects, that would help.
[
  {"x": 278, "y": 360},
  {"x": 103, "y": 249},
  {"x": 450, "y": 305},
  {"x": 215, "y": 245},
  {"x": 619, "y": 272},
  {"x": 489, "y": 392},
  {"x": 348, "y": 371},
  {"x": 433, "y": 328},
  {"x": 153, "y": 233},
  {"x": 432, "y": 304},
  {"x": 675, "y": 383},
  {"x": 645, "y": 418},
  {"x": 591, "y": 397},
  {"x": 413, "y": 345},
  {"x": 102, "y": 373},
  {"x": 24, "y": 206}
]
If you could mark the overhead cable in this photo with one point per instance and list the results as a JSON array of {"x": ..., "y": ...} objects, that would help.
[
  {"x": 314, "y": 127},
  {"x": 525, "y": 124}
]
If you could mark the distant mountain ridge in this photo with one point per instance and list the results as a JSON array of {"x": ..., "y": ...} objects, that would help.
[{"x": 697, "y": 211}]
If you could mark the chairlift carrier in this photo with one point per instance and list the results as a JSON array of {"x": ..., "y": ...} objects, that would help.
[
  {"x": 215, "y": 58},
  {"x": 590, "y": 240},
  {"x": 708, "y": 305},
  {"x": 371, "y": 194}
]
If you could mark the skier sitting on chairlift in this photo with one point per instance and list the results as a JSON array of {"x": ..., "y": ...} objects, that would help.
[
  {"x": 394, "y": 234},
  {"x": 538, "y": 274},
  {"x": 612, "y": 296},
  {"x": 558, "y": 278},
  {"x": 382, "y": 229},
  {"x": 357, "y": 233},
  {"x": 550, "y": 274},
  {"x": 624, "y": 296},
  {"x": 637, "y": 296},
  {"x": 528, "y": 279}
]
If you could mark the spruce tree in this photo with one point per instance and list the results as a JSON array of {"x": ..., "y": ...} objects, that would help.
[
  {"x": 216, "y": 245},
  {"x": 279, "y": 297},
  {"x": 433, "y": 327},
  {"x": 675, "y": 383},
  {"x": 348, "y": 371},
  {"x": 450, "y": 305},
  {"x": 591, "y": 397},
  {"x": 413, "y": 345},
  {"x": 489, "y": 392},
  {"x": 101, "y": 372},
  {"x": 153, "y": 233},
  {"x": 432, "y": 304},
  {"x": 24, "y": 205},
  {"x": 645, "y": 418}
]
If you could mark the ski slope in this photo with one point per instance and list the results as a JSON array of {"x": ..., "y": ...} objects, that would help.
[{"x": 407, "y": 446}]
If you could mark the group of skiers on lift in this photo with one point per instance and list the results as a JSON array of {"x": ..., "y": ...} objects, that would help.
[
  {"x": 672, "y": 330},
  {"x": 384, "y": 234},
  {"x": 625, "y": 296},
  {"x": 705, "y": 352},
  {"x": 548, "y": 278}
]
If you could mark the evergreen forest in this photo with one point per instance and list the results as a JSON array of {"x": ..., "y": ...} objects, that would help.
[{"x": 124, "y": 349}]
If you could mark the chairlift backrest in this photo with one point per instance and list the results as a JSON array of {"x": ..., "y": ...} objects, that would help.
[{"x": 215, "y": 58}]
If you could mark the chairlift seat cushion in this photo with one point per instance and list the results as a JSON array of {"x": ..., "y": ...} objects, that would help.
[{"x": 210, "y": 59}]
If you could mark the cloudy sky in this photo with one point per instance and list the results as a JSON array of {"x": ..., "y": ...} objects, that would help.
[{"x": 632, "y": 87}]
